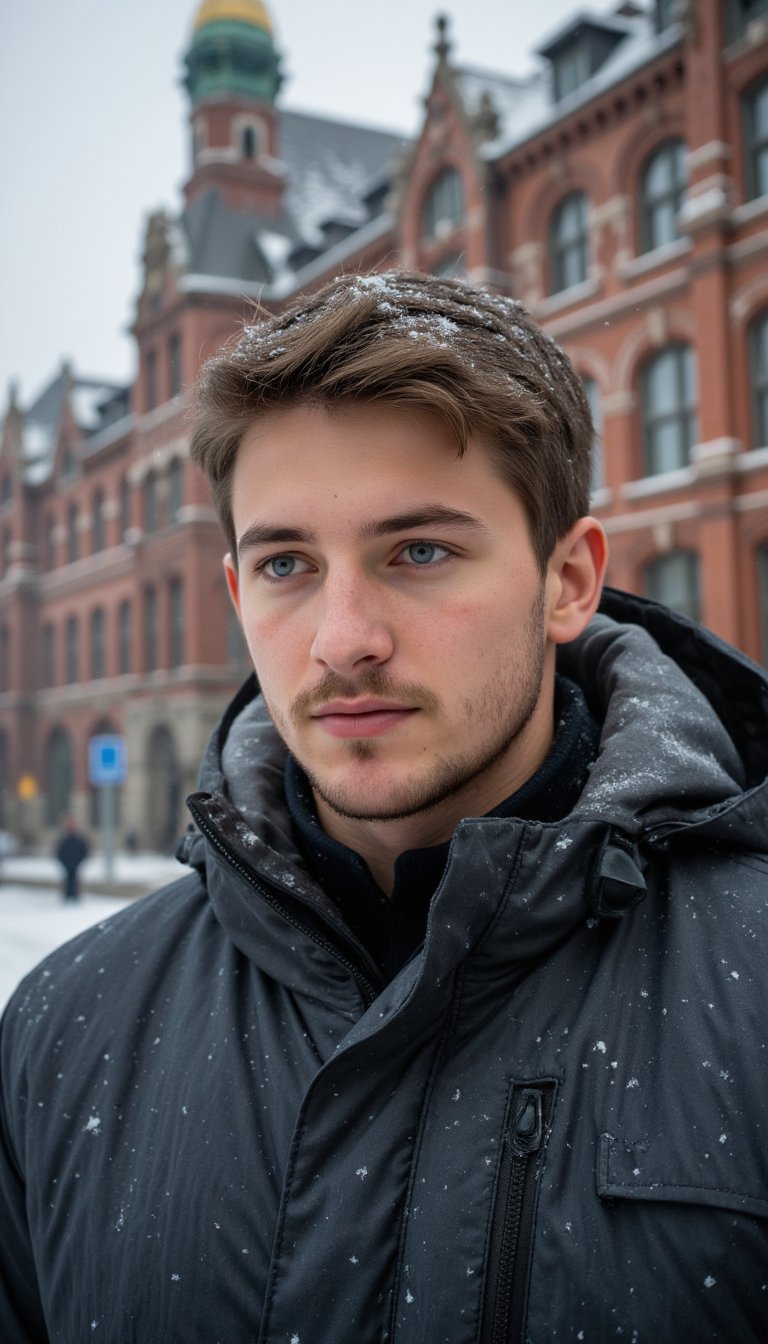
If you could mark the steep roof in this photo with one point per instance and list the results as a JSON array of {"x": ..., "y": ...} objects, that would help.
[
  {"x": 332, "y": 170},
  {"x": 526, "y": 107}
]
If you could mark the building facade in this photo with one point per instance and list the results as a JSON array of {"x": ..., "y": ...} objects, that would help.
[{"x": 621, "y": 192}]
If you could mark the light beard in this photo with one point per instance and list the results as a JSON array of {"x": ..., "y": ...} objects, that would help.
[{"x": 503, "y": 708}]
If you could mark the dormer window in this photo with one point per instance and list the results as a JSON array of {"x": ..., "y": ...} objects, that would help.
[
  {"x": 578, "y": 51},
  {"x": 664, "y": 14},
  {"x": 570, "y": 70}
]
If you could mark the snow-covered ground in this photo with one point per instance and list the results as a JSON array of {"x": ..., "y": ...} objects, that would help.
[
  {"x": 34, "y": 919},
  {"x": 150, "y": 870}
]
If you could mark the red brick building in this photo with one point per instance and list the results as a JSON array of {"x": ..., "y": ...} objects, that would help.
[{"x": 621, "y": 192}]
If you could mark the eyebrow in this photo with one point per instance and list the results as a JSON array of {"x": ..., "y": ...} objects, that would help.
[{"x": 430, "y": 515}]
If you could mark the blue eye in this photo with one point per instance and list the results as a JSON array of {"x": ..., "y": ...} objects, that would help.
[
  {"x": 282, "y": 566},
  {"x": 424, "y": 553},
  {"x": 279, "y": 567}
]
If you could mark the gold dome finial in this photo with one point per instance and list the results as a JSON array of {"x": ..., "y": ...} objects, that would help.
[{"x": 241, "y": 11}]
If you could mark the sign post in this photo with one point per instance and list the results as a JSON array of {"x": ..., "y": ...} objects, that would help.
[{"x": 106, "y": 769}]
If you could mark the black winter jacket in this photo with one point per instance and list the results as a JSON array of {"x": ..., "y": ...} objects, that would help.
[{"x": 219, "y": 1125}]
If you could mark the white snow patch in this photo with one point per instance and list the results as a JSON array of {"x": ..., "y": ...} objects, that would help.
[
  {"x": 709, "y": 1282},
  {"x": 601, "y": 1046},
  {"x": 93, "y": 1126},
  {"x": 362, "y": 1172}
]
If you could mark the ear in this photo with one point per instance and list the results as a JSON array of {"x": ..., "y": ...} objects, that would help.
[
  {"x": 233, "y": 585},
  {"x": 575, "y": 575}
]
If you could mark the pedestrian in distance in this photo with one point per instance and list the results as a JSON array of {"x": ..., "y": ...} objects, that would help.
[
  {"x": 456, "y": 1031},
  {"x": 71, "y": 851}
]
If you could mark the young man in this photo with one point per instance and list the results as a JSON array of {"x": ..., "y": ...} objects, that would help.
[{"x": 457, "y": 1032}]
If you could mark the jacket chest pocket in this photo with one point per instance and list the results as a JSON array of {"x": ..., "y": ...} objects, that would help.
[
  {"x": 686, "y": 1228},
  {"x": 637, "y": 1171}
]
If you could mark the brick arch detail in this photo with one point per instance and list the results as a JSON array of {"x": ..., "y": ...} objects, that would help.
[
  {"x": 639, "y": 147},
  {"x": 642, "y": 342},
  {"x": 585, "y": 177},
  {"x": 590, "y": 363}
]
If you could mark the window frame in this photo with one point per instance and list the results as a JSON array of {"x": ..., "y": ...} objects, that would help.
[
  {"x": 755, "y": 148},
  {"x": 690, "y": 559},
  {"x": 684, "y": 415},
  {"x": 673, "y": 147},
  {"x": 444, "y": 205},
  {"x": 562, "y": 248},
  {"x": 758, "y": 377}
]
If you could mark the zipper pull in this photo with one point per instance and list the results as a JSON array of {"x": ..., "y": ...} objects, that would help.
[{"x": 527, "y": 1129}]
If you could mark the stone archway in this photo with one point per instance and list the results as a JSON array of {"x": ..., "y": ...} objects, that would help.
[
  {"x": 59, "y": 776},
  {"x": 5, "y": 779},
  {"x": 163, "y": 792}
]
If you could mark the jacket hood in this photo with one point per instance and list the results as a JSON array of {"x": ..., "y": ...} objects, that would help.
[{"x": 683, "y": 737}]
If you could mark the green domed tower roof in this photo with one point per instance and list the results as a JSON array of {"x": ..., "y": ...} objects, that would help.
[{"x": 232, "y": 52}]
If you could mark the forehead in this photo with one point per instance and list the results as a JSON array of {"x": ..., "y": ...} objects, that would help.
[{"x": 354, "y": 449}]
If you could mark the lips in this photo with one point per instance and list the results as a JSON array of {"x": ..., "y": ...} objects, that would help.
[{"x": 361, "y": 718}]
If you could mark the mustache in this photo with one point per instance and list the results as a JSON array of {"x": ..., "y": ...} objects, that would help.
[{"x": 373, "y": 683}]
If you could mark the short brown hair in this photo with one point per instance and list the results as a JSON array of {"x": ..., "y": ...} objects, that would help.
[{"x": 476, "y": 358}]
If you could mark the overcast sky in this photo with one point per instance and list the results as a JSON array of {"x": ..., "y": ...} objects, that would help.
[{"x": 93, "y": 136}]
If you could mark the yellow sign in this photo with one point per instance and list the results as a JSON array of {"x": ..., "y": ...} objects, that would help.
[{"x": 27, "y": 787}]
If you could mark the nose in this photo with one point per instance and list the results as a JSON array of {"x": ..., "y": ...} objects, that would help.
[{"x": 352, "y": 632}]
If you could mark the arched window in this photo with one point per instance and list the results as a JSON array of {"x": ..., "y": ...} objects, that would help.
[
  {"x": 674, "y": 580},
  {"x": 99, "y": 536},
  {"x": 661, "y": 194},
  {"x": 248, "y": 142},
  {"x": 591, "y": 390},
  {"x": 125, "y": 637},
  {"x": 174, "y": 364},
  {"x": 163, "y": 820},
  {"x": 668, "y": 397},
  {"x": 758, "y": 350},
  {"x": 48, "y": 669},
  {"x": 5, "y": 658},
  {"x": 5, "y": 778},
  {"x": 150, "y": 502},
  {"x": 176, "y": 622},
  {"x": 443, "y": 209},
  {"x": 569, "y": 243},
  {"x": 59, "y": 774},
  {"x": 175, "y": 488},
  {"x": 98, "y": 643},
  {"x": 48, "y": 543},
  {"x": 125, "y": 506},
  {"x": 756, "y": 139},
  {"x": 150, "y": 630},
  {"x": 73, "y": 540},
  {"x": 71, "y": 651}
]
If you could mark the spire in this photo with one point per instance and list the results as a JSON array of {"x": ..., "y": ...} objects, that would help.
[{"x": 443, "y": 44}]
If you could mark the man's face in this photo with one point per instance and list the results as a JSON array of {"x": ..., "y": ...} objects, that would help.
[{"x": 394, "y": 611}]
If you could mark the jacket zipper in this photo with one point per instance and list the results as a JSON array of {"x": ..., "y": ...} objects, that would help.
[
  {"x": 524, "y": 1141},
  {"x": 365, "y": 986}
]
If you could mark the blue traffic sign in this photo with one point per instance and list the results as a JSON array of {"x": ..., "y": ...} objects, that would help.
[{"x": 106, "y": 759}]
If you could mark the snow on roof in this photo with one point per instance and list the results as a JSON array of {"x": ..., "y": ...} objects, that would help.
[
  {"x": 86, "y": 397},
  {"x": 526, "y": 108}
]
